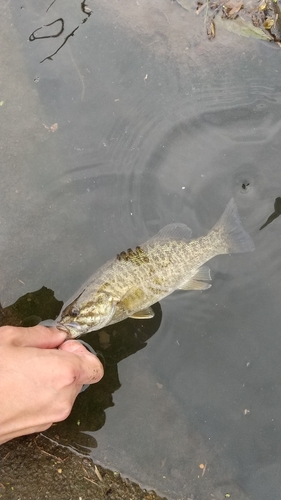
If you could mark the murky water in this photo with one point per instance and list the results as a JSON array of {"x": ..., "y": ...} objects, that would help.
[{"x": 152, "y": 124}]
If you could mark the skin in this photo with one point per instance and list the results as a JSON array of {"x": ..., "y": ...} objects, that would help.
[{"x": 40, "y": 377}]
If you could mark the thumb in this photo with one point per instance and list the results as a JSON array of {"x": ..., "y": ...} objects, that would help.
[
  {"x": 36, "y": 336},
  {"x": 74, "y": 346},
  {"x": 91, "y": 367}
]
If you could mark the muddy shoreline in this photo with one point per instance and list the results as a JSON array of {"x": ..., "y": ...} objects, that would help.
[{"x": 57, "y": 472}]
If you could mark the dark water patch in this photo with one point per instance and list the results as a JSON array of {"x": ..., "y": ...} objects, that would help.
[{"x": 31, "y": 308}]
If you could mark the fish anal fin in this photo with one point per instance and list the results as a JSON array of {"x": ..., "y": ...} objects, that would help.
[
  {"x": 194, "y": 284},
  {"x": 197, "y": 281},
  {"x": 147, "y": 313},
  {"x": 203, "y": 274}
]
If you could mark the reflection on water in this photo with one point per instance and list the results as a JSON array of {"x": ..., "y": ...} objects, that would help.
[
  {"x": 155, "y": 125},
  {"x": 275, "y": 214},
  {"x": 31, "y": 308}
]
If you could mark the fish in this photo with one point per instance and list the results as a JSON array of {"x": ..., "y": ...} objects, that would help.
[{"x": 130, "y": 283}]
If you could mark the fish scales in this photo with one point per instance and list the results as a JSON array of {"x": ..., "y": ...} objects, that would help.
[{"x": 137, "y": 278}]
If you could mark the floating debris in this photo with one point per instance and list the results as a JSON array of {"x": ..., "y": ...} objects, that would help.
[
  {"x": 53, "y": 128},
  {"x": 203, "y": 468},
  {"x": 250, "y": 18}
]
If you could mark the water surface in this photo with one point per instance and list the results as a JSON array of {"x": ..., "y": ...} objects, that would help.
[{"x": 155, "y": 124}]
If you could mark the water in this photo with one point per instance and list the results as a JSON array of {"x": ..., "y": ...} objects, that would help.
[{"x": 154, "y": 125}]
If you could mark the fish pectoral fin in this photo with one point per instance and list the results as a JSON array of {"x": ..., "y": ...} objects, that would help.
[
  {"x": 147, "y": 313},
  {"x": 133, "y": 299},
  {"x": 194, "y": 284}
]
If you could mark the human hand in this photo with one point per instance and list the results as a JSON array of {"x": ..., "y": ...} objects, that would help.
[{"x": 39, "y": 383}]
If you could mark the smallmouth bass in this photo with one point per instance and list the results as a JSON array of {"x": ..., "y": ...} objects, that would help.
[{"x": 129, "y": 284}]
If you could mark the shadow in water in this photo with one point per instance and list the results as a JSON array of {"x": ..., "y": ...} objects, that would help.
[
  {"x": 275, "y": 214},
  {"x": 31, "y": 308},
  {"x": 112, "y": 344}
]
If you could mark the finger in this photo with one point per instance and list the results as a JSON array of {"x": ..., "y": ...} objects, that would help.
[
  {"x": 73, "y": 346},
  {"x": 24, "y": 432},
  {"x": 91, "y": 369},
  {"x": 36, "y": 336}
]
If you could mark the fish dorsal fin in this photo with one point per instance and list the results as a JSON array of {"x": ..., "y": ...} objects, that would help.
[
  {"x": 175, "y": 231},
  {"x": 147, "y": 313}
]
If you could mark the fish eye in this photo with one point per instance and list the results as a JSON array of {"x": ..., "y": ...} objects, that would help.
[{"x": 74, "y": 312}]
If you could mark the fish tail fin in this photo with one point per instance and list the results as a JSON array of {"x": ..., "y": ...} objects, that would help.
[{"x": 232, "y": 236}]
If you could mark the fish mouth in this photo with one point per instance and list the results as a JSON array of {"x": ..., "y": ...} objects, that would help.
[
  {"x": 72, "y": 329},
  {"x": 59, "y": 326}
]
